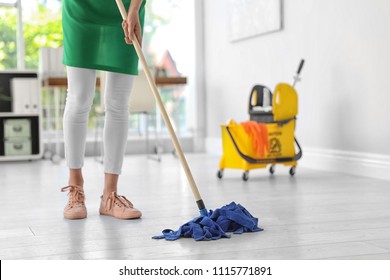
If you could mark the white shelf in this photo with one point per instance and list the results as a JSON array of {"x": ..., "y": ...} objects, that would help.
[{"x": 25, "y": 93}]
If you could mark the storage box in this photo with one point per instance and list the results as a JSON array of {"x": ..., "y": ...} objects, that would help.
[
  {"x": 17, "y": 147},
  {"x": 17, "y": 128}
]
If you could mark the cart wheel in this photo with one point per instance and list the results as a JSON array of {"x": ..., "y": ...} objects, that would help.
[
  {"x": 292, "y": 171},
  {"x": 220, "y": 173},
  {"x": 245, "y": 176},
  {"x": 272, "y": 169}
]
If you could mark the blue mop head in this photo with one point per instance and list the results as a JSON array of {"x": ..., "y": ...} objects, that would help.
[
  {"x": 235, "y": 218},
  {"x": 230, "y": 218},
  {"x": 200, "y": 228}
]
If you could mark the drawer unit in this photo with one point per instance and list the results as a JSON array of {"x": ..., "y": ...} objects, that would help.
[
  {"x": 17, "y": 147},
  {"x": 20, "y": 137},
  {"x": 17, "y": 128}
]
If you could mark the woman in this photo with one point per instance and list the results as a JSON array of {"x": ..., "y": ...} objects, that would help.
[{"x": 94, "y": 39}]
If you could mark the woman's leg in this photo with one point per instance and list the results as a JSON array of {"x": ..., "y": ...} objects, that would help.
[
  {"x": 117, "y": 93},
  {"x": 81, "y": 90}
]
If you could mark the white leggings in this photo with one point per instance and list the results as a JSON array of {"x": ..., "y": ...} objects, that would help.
[{"x": 81, "y": 90}]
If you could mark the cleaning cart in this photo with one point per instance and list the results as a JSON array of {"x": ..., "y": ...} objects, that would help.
[{"x": 278, "y": 113}]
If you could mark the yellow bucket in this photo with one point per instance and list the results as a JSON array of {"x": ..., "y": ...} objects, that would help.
[{"x": 281, "y": 140}]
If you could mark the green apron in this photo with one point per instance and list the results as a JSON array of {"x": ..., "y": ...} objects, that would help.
[{"x": 94, "y": 38}]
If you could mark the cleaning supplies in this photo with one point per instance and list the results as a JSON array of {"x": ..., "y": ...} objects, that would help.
[
  {"x": 258, "y": 133},
  {"x": 246, "y": 146},
  {"x": 229, "y": 218}
]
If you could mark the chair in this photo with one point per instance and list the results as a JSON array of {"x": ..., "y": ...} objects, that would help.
[
  {"x": 141, "y": 98},
  {"x": 142, "y": 102}
]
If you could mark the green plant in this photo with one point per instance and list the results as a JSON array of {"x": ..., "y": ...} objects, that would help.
[
  {"x": 42, "y": 29},
  {"x": 7, "y": 38}
]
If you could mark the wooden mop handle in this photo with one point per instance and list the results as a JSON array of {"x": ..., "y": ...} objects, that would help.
[
  {"x": 164, "y": 114},
  {"x": 122, "y": 9}
]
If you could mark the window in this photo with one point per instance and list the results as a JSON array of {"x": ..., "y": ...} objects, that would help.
[
  {"x": 9, "y": 24},
  {"x": 169, "y": 43},
  {"x": 27, "y": 25}
]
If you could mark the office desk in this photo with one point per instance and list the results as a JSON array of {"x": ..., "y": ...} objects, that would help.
[
  {"x": 62, "y": 82},
  {"x": 160, "y": 81}
]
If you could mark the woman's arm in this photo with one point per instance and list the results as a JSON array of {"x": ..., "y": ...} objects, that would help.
[
  {"x": 132, "y": 26},
  {"x": 135, "y": 5}
]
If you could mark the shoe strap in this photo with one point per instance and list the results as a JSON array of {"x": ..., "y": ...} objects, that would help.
[
  {"x": 119, "y": 198},
  {"x": 125, "y": 201},
  {"x": 76, "y": 194}
]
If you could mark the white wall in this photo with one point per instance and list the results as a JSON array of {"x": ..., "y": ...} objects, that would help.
[{"x": 345, "y": 92}]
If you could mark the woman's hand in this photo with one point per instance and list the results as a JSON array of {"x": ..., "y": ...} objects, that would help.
[{"x": 131, "y": 26}]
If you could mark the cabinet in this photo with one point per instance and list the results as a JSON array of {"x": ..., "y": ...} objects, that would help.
[{"x": 20, "y": 116}]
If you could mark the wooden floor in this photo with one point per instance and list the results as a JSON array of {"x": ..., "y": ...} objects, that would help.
[{"x": 314, "y": 215}]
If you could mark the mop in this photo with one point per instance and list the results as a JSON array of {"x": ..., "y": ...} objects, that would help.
[{"x": 210, "y": 225}]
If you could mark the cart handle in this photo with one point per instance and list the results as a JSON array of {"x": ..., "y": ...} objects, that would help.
[
  {"x": 300, "y": 66},
  {"x": 296, "y": 77}
]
